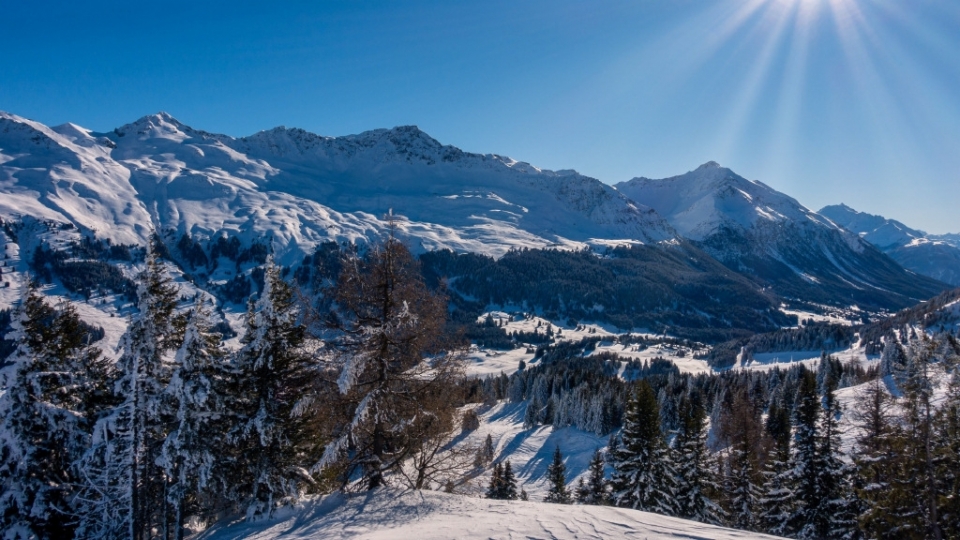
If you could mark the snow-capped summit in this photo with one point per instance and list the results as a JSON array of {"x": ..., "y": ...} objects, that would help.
[
  {"x": 756, "y": 229},
  {"x": 936, "y": 256},
  {"x": 298, "y": 188},
  {"x": 710, "y": 197}
]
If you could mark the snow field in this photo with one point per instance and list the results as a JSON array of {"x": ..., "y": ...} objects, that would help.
[{"x": 431, "y": 515}]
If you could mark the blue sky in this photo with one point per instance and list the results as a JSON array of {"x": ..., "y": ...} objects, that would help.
[{"x": 854, "y": 101}]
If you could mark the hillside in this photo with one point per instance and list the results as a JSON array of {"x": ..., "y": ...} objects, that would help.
[
  {"x": 298, "y": 189},
  {"x": 936, "y": 256},
  {"x": 756, "y": 230},
  {"x": 429, "y": 515}
]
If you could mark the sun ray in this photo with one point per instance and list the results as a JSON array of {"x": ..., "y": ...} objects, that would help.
[{"x": 753, "y": 83}]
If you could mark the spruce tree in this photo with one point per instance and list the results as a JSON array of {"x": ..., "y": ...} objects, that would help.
[
  {"x": 557, "y": 478},
  {"x": 744, "y": 493},
  {"x": 273, "y": 432},
  {"x": 875, "y": 458},
  {"x": 595, "y": 489},
  {"x": 642, "y": 477},
  {"x": 509, "y": 483},
  {"x": 947, "y": 439},
  {"x": 54, "y": 385},
  {"x": 191, "y": 449},
  {"x": 836, "y": 515},
  {"x": 776, "y": 504},
  {"x": 495, "y": 489},
  {"x": 125, "y": 487},
  {"x": 694, "y": 476},
  {"x": 805, "y": 459}
]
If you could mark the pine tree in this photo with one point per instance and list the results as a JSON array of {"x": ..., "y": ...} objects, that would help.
[
  {"x": 917, "y": 482},
  {"x": 948, "y": 456},
  {"x": 836, "y": 516},
  {"x": 777, "y": 501},
  {"x": 495, "y": 489},
  {"x": 274, "y": 435},
  {"x": 557, "y": 478},
  {"x": 125, "y": 488},
  {"x": 509, "y": 483},
  {"x": 54, "y": 387},
  {"x": 875, "y": 458},
  {"x": 191, "y": 448},
  {"x": 642, "y": 477},
  {"x": 594, "y": 491},
  {"x": 805, "y": 459},
  {"x": 694, "y": 476},
  {"x": 485, "y": 452}
]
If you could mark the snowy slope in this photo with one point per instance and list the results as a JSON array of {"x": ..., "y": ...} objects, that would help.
[
  {"x": 296, "y": 189},
  {"x": 755, "y": 229},
  {"x": 429, "y": 515},
  {"x": 710, "y": 197},
  {"x": 936, "y": 256}
]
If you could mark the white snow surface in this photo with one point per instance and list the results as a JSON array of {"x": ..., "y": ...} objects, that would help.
[
  {"x": 296, "y": 189},
  {"x": 430, "y": 515},
  {"x": 699, "y": 202}
]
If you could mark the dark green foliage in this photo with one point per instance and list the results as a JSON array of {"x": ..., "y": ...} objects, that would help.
[
  {"x": 643, "y": 478},
  {"x": 643, "y": 286},
  {"x": 557, "y": 478},
  {"x": 594, "y": 490},
  {"x": 7, "y": 346},
  {"x": 191, "y": 251},
  {"x": 237, "y": 290},
  {"x": 84, "y": 277},
  {"x": 273, "y": 439},
  {"x": 223, "y": 247},
  {"x": 59, "y": 386},
  {"x": 503, "y": 483}
]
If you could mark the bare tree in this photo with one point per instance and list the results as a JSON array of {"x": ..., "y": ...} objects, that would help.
[{"x": 399, "y": 374}]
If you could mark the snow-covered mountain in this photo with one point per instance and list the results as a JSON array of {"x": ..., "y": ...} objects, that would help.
[
  {"x": 298, "y": 188},
  {"x": 936, "y": 256},
  {"x": 757, "y": 230}
]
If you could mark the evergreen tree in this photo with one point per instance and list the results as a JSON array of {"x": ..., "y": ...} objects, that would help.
[
  {"x": 125, "y": 489},
  {"x": 557, "y": 478},
  {"x": 805, "y": 459},
  {"x": 777, "y": 501},
  {"x": 694, "y": 476},
  {"x": 918, "y": 517},
  {"x": 743, "y": 425},
  {"x": 948, "y": 457},
  {"x": 642, "y": 477},
  {"x": 275, "y": 437},
  {"x": 485, "y": 452},
  {"x": 836, "y": 515},
  {"x": 54, "y": 386},
  {"x": 594, "y": 490},
  {"x": 190, "y": 451},
  {"x": 509, "y": 483},
  {"x": 496, "y": 489},
  {"x": 875, "y": 458}
]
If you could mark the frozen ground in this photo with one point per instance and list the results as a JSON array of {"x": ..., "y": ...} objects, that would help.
[{"x": 431, "y": 515}]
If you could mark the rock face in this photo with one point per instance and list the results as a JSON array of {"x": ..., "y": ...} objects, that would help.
[
  {"x": 299, "y": 188},
  {"x": 936, "y": 256},
  {"x": 757, "y": 230}
]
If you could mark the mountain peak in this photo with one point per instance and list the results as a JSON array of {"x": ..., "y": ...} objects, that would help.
[
  {"x": 158, "y": 125},
  {"x": 709, "y": 165}
]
